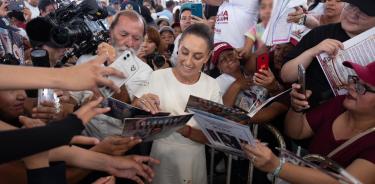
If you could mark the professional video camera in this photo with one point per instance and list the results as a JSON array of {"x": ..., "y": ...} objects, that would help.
[{"x": 77, "y": 26}]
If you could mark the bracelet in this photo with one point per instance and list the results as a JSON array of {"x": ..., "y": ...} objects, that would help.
[
  {"x": 302, "y": 20},
  {"x": 277, "y": 171}
]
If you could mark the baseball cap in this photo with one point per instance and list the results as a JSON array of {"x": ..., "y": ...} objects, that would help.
[
  {"x": 218, "y": 49},
  {"x": 161, "y": 18},
  {"x": 366, "y": 73},
  {"x": 166, "y": 28},
  {"x": 366, "y": 6}
]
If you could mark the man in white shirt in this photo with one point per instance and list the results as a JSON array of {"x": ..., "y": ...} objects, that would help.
[
  {"x": 233, "y": 19},
  {"x": 32, "y": 5},
  {"x": 127, "y": 32}
]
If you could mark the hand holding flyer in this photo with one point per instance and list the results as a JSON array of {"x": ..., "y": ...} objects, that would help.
[{"x": 358, "y": 49}]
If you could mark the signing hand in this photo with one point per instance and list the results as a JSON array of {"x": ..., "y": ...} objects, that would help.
[{"x": 148, "y": 102}]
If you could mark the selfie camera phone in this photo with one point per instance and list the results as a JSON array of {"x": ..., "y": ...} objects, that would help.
[
  {"x": 263, "y": 61},
  {"x": 126, "y": 63},
  {"x": 301, "y": 79},
  {"x": 196, "y": 10}
]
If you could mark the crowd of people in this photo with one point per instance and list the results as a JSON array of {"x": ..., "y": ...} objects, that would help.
[{"x": 177, "y": 53}]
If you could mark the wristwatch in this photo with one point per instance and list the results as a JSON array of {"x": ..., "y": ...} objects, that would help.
[{"x": 302, "y": 20}]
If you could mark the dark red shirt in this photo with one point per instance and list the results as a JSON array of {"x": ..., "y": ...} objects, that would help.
[{"x": 321, "y": 120}]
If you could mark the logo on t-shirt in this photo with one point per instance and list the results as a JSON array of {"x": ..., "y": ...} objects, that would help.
[{"x": 222, "y": 17}]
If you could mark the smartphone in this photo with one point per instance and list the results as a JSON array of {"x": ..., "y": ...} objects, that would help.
[
  {"x": 196, "y": 9},
  {"x": 128, "y": 64},
  {"x": 301, "y": 79},
  {"x": 16, "y": 5},
  {"x": 263, "y": 62}
]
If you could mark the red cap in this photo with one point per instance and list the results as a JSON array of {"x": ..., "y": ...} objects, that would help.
[
  {"x": 218, "y": 49},
  {"x": 366, "y": 73}
]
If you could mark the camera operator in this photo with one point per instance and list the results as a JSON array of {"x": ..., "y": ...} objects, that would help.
[{"x": 152, "y": 49}]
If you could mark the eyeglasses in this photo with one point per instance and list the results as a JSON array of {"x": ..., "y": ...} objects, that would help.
[
  {"x": 358, "y": 86},
  {"x": 353, "y": 8}
]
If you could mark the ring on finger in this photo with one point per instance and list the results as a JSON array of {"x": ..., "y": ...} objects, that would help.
[
  {"x": 253, "y": 158},
  {"x": 143, "y": 101}
]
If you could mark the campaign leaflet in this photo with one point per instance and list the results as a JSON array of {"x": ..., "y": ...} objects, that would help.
[
  {"x": 121, "y": 110},
  {"x": 359, "y": 49},
  {"x": 234, "y": 114},
  {"x": 151, "y": 128},
  {"x": 223, "y": 134}
]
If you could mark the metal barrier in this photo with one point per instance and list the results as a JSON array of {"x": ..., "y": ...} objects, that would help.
[{"x": 270, "y": 128}]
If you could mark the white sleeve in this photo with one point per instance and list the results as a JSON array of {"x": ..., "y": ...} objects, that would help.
[
  {"x": 224, "y": 81},
  {"x": 245, "y": 3}
]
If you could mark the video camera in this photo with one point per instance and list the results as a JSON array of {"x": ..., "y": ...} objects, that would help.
[{"x": 77, "y": 26}]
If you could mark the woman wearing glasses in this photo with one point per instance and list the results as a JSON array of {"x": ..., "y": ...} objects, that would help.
[
  {"x": 357, "y": 17},
  {"x": 330, "y": 125}
]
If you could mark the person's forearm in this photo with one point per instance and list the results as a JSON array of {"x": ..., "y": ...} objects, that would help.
[
  {"x": 297, "y": 174},
  {"x": 30, "y": 77},
  {"x": 79, "y": 157},
  {"x": 229, "y": 98},
  {"x": 311, "y": 22},
  {"x": 289, "y": 72},
  {"x": 293, "y": 124},
  {"x": 24, "y": 142},
  {"x": 193, "y": 134},
  {"x": 269, "y": 113}
]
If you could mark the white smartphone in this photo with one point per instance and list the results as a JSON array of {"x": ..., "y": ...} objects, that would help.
[{"x": 126, "y": 63}]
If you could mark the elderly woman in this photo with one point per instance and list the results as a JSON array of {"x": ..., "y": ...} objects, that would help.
[
  {"x": 181, "y": 154},
  {"x": 330, "y": 125}
]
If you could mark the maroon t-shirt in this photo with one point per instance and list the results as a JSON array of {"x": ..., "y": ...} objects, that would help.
[{"x": 321, "y": 120}]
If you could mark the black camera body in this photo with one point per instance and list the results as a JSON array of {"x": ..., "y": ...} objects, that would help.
[
  {"x": 155, "y": 60},
  {"x": 77, "y": 26}
]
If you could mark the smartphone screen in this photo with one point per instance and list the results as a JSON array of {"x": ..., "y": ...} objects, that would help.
[
  {"x": 196, "y": 10},
  {"x": 301, "y": 79},
  {"x": 263, "y": 61}
]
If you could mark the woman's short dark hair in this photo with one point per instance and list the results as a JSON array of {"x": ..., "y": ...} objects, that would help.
[{"x": 200, "y": 30}]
